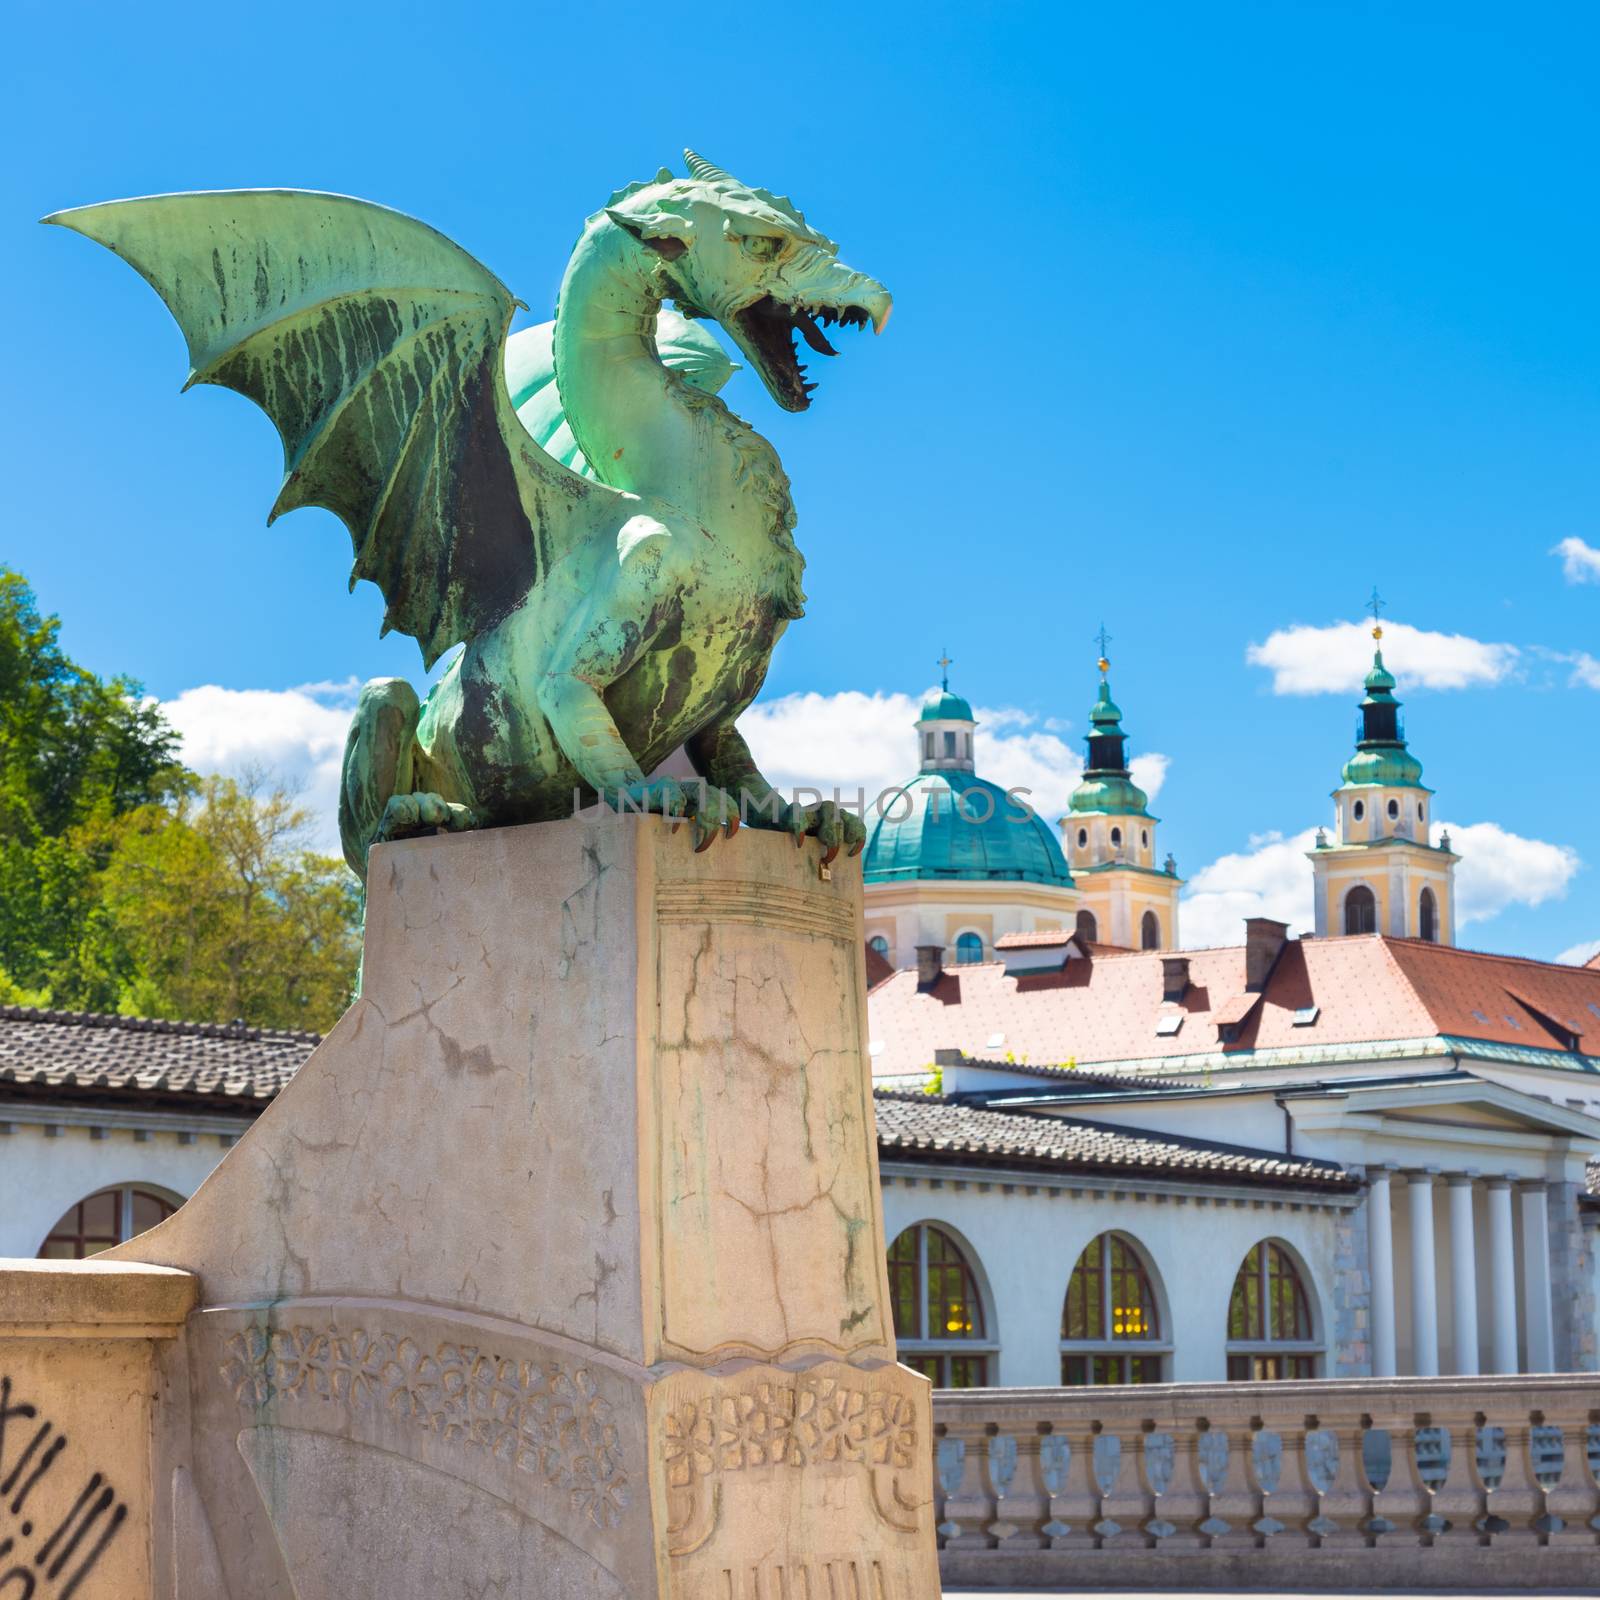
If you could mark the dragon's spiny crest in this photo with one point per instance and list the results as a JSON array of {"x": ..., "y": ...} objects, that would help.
[
  {"x": 729, "y": 186},
  {"x": 755, "y": 204}
]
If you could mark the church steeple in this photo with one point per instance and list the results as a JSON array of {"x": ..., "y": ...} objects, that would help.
[
  {"x": 1381, "y": 873},
  {"x": 945, "y": 728},
  {"x": 1110, "y": 838}
]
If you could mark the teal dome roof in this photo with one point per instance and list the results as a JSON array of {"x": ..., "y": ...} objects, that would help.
[
  {"x": 1106, "y": 785},
  {"x": 1381, "y": 756},
  {"x": 1110, "y": 792},
  {"x": 947, "y": 707},
  {"x": 1390, "y": 767},
  {"x": 921, "y": 835}
]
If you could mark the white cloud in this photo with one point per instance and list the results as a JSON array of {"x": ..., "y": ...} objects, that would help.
[
  {"x": 295, "y": 734},
  {"x": 1334, "y": 659},
  {"x": 1580, "y": 954},
  {"x": 1585, "y": 670},
  {"x": 851, "y": 740},
  {"x": 1273, "y": 879},
  {"x": 1580, "y": 562},
  {"x": 1270, "y": 879},
  {"x": 1500, "y": 869}
]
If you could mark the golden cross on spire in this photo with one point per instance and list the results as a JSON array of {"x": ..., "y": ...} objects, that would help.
[
  {"x": 1375, "y": 605},
  {"x": 944, "y": 664},
  {"x": 1103, "y": 639}
]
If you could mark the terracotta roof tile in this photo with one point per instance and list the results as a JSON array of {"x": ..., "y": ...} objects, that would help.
[
  {"x": 85, "y": 1055},
  {"x": 879, "y": 967},
  {"x": 937, "y": 1128},
  {"x": 1363, "y": 988},
  {"x": 1042, "y": 939}
]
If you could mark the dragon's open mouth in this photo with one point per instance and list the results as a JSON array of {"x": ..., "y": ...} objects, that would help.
[{"x": 767, "y": 330}]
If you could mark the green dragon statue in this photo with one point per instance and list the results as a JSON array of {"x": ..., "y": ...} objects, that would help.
[{"x": 608, "y": 542}]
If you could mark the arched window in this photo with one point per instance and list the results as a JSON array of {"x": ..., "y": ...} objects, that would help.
[
  {"x": 1087, "y": 928},
  {"x": 1110, "y": 1311},
  {"x": 1394, "y": 809},
  {"x": 938, "y": 1312},
  {"x": 110, "y": 1217},
  {"x": 1083, "y": 838},
  {"x": 1358, "y": 810},
  {"x": 1116, "y": 836},
  {"x": 1360, "y": 910},
  {"x": 1427, "y": 916},
  {"x": 1269, "y": 1319},
  {"x": 969, "y": 948},
  {"x": 880, "y": 944},
  {"x": 1149, "y": 931}
]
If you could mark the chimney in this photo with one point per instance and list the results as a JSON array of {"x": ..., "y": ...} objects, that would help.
[
  {"x": 1263, "y": 939},
  {"x": 930, "y": 963},
  {"x": 1174, "y": 977}
]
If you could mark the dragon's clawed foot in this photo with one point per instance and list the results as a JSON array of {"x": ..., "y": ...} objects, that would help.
[
  {"x": 406, "y": 814},
  {"x": 836, "y": 828},
  {"x": 711, "y": 811}
]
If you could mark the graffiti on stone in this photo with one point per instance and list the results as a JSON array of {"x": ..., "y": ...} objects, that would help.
[{"x": 48, "y": 1557}]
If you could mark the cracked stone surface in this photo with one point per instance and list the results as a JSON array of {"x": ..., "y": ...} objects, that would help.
[{"x": 557, "y": 1271}]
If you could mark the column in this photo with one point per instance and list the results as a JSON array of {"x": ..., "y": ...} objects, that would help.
[
  {"x": 1424, "y": 1300},
  {"x": 1463, "y": 1276},
  {"x": 1380, "y": 1265},
  {"x": 1536, "y": 1274},
  {"x": 1502, "y": 1278}
]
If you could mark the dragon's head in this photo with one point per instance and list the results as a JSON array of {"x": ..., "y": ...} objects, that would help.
[{"x": 749, "y": 260}]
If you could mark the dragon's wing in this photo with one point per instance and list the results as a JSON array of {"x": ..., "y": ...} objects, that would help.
[
  {"x": 377, "y": 347},
  {"x": 685, "y": 347}
]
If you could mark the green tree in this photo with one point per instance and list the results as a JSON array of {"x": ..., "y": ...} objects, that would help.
[
  {"x": 129, "y": 884},
  {"x": 214, "y": 908},
  {"x": 75, "y": 752}
]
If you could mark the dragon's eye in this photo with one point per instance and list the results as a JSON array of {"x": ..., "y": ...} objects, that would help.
[{"x": 761, "y": 246}]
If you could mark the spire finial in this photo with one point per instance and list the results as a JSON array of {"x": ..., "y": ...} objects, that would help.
[
  {"x": 1376, "y": 604},
  {"x": 1103, "y": 639},
  {"x": 944, "y": 664}
]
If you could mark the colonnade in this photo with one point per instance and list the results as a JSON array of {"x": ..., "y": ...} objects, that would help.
[{"x": 1468, "y": 1255}]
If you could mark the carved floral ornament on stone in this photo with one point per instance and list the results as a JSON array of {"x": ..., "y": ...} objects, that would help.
[
  {"x": 547, "y": 1420},
  {"x": 790, "y": 1425},
  {"x": 615, "y": 599}
]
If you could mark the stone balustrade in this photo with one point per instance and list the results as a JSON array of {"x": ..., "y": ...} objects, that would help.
[{"x": 1356, "y": 1483}]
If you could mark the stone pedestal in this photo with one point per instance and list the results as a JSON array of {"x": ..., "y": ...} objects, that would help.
[{"x": 558, "y": 1270}]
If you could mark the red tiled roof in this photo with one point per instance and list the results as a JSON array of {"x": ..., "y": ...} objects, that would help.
[
  {"x": 934, "y": 1128},
  {"x": 1365, "y": 988},
  {"x": 879, "y": 967},
  {"x": 1042, "y": 939}
]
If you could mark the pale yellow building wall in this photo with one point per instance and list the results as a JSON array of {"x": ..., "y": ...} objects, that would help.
[
  {"x": 938, "y": 911},
  {"x": 1396, "y": 878}
]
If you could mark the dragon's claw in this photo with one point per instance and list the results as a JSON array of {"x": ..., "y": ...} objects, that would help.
[
  {"x": 830, "y": 823},
  {"x": 407, "y": 814},
  {"x": 710, "y": 811}
]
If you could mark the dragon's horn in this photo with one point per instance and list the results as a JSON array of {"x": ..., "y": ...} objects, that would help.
[{"x": 700, "y": 168}]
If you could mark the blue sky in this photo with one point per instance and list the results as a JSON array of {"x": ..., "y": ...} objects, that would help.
[{"x": 1208, "y": 319}]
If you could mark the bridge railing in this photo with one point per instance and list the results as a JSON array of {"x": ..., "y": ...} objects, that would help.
[{"x": 1383, "y": 1483}]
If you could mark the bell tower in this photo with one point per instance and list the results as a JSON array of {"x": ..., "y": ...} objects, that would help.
[
  {"x": 1381, "y": 872},
  {"x": 1110, "y": 839}
]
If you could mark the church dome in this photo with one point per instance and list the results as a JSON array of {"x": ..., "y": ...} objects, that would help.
[
  {"x": 947, "y": 707},
  {"x": 953, "y": 824}
]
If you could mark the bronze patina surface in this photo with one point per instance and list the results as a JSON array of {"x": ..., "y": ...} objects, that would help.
[{"x": 609, "y": 610}]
